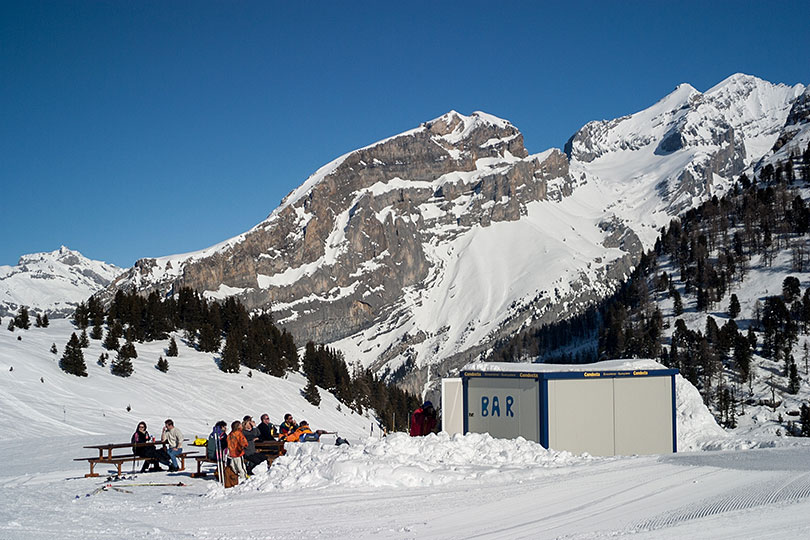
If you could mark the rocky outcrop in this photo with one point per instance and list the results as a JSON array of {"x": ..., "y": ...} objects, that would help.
[
  {"x": 335, "y": 258},
  {"x": 427, "y": 248}
]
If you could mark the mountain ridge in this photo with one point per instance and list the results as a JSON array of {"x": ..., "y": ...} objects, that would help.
[{"x": 388, "y": 252}]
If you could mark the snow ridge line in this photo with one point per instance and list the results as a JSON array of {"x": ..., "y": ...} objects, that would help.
[{"x": 793, "y": 490}]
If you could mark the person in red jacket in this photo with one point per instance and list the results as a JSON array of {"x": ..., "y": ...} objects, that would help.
[{"x": 423, "y": 420}]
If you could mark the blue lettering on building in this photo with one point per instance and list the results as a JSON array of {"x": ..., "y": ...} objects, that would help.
[{"x": 492, "y": 407}]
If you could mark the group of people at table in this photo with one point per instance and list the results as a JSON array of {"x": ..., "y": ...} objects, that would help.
[{"x": 237, "y": 447}]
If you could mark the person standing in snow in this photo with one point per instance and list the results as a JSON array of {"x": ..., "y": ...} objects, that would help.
[
  {"x": 423, "y": 420},
  {"x": 236, "y": 449},
  {"x": 220, "y": 433},
  {"x": 174, "y": 438}
]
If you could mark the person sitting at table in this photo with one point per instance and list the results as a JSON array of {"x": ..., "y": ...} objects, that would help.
[
  {"x": 148, "y": 453},
  {"x": 174, "y": 438},
  {"x": 287, "y": 427},
  {"x": 252, "y": 434},
  {"x": 267, "y": 431}
]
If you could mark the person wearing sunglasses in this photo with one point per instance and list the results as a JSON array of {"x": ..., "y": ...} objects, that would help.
[{"x": 148, "y": 453}]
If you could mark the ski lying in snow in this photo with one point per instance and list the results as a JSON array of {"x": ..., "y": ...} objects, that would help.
[
  {"x": 163, "y": 484},
  {"x": 107, "y": 487}
]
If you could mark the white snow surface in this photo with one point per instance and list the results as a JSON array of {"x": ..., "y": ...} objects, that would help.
[
  {"x": 399, "y": 487},
  {"x": 53, "y": 282}
]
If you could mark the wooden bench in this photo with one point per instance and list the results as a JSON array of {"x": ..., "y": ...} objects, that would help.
[
  {"x": 271, "y": 449},
  {"x": 119, "y": 460}
]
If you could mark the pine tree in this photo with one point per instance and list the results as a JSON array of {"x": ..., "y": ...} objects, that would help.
[
  {"x": 83, "y": 341},
  {"x": 97, "y": 332},
  {"x": 128, "y": 349},
  {"x": 114, "y": 332},
  {"x": 791, "y": 289},
  {"x": 11, "y": 325},
  {"x": 22, "y": 319},
  {"x": 311, "y": 393},
  {"x": 229, "y": 363},
  {"x": 172, "y": 350},
  {"x": 677, "y": 303},
  {"x": 793, "y": 379},
  {"x": 733, "y": 307},
  {"x": 122, "y": 365},
  {"x": 38, "y": 321},
  {"x": 81, "y": 316},
  {"x": 805, "y": 420},
  {"x": 210, "y": 338},
  {"x": 162, "y": 365},
  {"x": 45, "y": 321},
  {"x": 73, "y": 359}
]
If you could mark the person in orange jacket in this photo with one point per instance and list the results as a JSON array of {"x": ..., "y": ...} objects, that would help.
[
  {"x": 304, "y": 434},
  {"x": 423, "y": 420},
  {"x": 236, "y": 449}
]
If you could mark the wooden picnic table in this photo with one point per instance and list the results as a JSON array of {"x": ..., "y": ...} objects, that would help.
[
  {"x": 114, "y": 446},
  {"x": 120, "y": 459}
]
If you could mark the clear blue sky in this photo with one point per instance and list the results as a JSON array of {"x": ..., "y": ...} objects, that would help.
[{"x": 141, "y": 129}]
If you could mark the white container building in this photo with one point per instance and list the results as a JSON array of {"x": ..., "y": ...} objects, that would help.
[{"x": 620, "y": 407}]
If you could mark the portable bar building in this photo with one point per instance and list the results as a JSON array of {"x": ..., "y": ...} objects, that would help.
[{"x": 592, "y": 408}]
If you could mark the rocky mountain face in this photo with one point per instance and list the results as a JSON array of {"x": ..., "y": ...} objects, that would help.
[
  {"x": 417, "y": 253},
  {"x": 52, "y": 282}
]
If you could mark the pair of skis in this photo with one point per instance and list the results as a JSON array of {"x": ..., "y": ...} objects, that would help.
[
  {"x": 220, "y": 454},
  {"x": 120, "y": 487}
]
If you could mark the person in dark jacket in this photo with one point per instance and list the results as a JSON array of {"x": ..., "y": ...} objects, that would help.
[
  {"x": 251, "y": 433},
  {"x": 220, "y": 432},
  {"x": 423, "y": 420},
  {"x": 267, "y": 431},
  {"x": 148, "y": 453}
]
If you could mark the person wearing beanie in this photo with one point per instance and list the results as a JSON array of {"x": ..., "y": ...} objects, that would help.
[{"x": 423, "y": 420}]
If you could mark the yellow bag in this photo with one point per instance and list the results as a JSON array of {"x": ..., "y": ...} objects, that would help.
[{"x": 199, "y": 442}]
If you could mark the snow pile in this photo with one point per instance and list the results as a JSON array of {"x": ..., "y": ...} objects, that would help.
[
  {"x": 399, "y": 461},
  {"x": 697, "y": 428}
]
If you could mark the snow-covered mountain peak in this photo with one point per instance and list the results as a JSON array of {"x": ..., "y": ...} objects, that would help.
[
  {"x": 53, "y": 282},
  {"x": 429, "y": 246}
]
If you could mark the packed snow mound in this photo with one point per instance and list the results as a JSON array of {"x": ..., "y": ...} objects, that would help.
[
  {"x": 398, "y": 461},
  {"x": 697, "y": 428}
]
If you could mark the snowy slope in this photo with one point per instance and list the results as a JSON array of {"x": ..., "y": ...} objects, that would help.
[
  {"x": 394, "y": 487},
  {"x": 52, "y": 282},
  {"x": 35, "y": 393}
]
